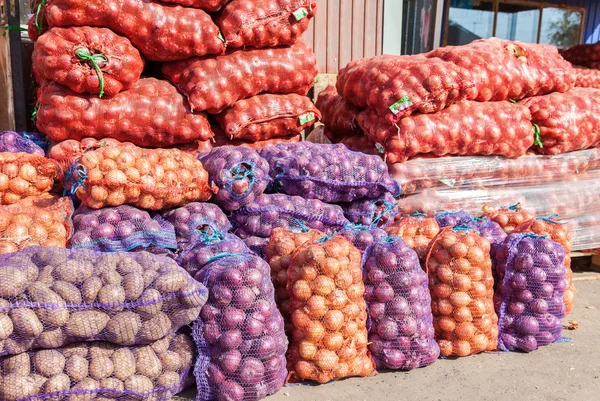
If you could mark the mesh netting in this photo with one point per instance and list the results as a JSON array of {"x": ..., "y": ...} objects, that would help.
[
  {"x": 583, "y": 54},
  {"x": 151, "y": 113},
  {"x": 23, "y": 175},
  {"x": 508, "y": 217},
  {"x": 44, "y": 220},
  {"x": 120, "y": 229},
  {"x": 12, "y": 142},
  {"x": 328, "y": 312},
  {"x": 530, "y": 292},
  {"x": 54, "y": 296},
  {"x": 360, "y": 143},
  {"x": 401, "y": 334},
  {"x": 268, "y": 116},
  {"x": 256, "y": 145},
  {"x": 567, "y": 121},
  {"x": 33, "y": 31},
  {"x": 451, "y": 218},
  {"x": 87, "y": 60},
  {"x": 339, "y": 115},
  {"x": 377, "y": 212},
  {"x": 491, "y": 231},
  {"x": 206, "y": 247},
  {"x": 160, "y": 32},
  {"x": 100, "y": 371},
  {"x": 151, "y": 179},
  {"x": 268, "y": 212},
  {"x": 265, "y": 23},
  {"x": 362, "y": 237},
  {"x": 416, "y": 230},
  {"x": 587, "y": 77},
  {"x": 206, "y": 5},
  {"x": 330, "y": 173},
  {"x": 239, "y": 173},
  {"x": 257, "y": 245},
  {"x": 241, "y": 330},
  {"x": 466, "y": 128},
  {"x": 462, "y": 289},
  {"x": 214, "y": 84}
]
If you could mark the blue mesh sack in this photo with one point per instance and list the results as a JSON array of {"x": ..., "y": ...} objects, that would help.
[
  {"x": 12, "y": 142},
  {"x": 331, "y": 173},
  {"x": 376, "y": 212}
]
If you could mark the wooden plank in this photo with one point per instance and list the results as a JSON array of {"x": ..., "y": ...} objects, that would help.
[
  {"x": 309, "y": 35},
  {"x": 345, "y": 33},
  {"x": 379, "y": 29},
  {"x": 358, "y": 29},
  {"x": 7, "y": 107},
  {"x": 370, "y": 40},
  {"x": 333, "y": 38},
  {"x": 320, "y": 35}
]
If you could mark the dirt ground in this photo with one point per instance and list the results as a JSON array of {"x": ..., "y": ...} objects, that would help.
[{"x": 561, "y": 371}]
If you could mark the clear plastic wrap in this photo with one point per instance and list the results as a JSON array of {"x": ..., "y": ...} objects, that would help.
[{"x": 587, "y": 77}]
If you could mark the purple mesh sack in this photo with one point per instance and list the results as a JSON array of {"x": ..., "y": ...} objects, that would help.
[
  {"x": 100, "y": 371},
  {"x": 401, "y": 333},
  {"x": 120, "y": 229},
  {"x": 52, "y": 296},
  {"x": 331, "y": 173},
  {"x": 240, "y": 174},
  {"x": 377, "y": 212},
  {"x": 529, "y": 299},
  {"x": 191, "y": 219},
  {"x": 257, "y": 245},
  {"x": 362, "y": 236},
  {"x": 267, "y": 212},
  {"x": 451, "y": 219},
  {"x": 242, "y": 330},
  {"x": 491, "y": 231},
  {"x": 12, "y": 142}
]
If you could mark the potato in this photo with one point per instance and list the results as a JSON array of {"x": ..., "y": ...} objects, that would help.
[
  {"x": 15, "y": 387},
  {"x": 79, "y": 349},
  {"x": 184, "y": 346},
  {"x": 46, "y": 275},
  {"x": 31, "y": 270},
  {"x": 171, "y": 282},
  {"x": 152, "y": 300},
  {"x": 6, "y": 327},
  {"x": 147, "y": 362},
  {"x": 85, "y": 384},
  {"x": 68, "y": 292},
  {"x": 54, "y": 311},
  {"x": 112, "y": 384},
  {"x": 48, "y": 362},
  {"x": 90, "y": 289},
  {"x": 101, "y": 349},
  {"x": 192, "y": 296},
  {"x": 123, "y": 363},
  {"x": 60, "y": 382},
  {"x": 18, "y": 364},
  {"x": 123, "y": 328},
  {"x": 139, "y": 384},
  {"x": 107, "y": 262},
  {"x": 156, "y": 327},
  {"x": 133, "y": 285},
  {"x": 51, "y": 338},
  {"x": 14, "y": 347},
  {"x": 182, "y": 317},
  {"x": 26, "y": 323},
  {"x": 39, "y": 381},
  {"x": 112, "y": 296},
  {"x": 74, "y": 271},
  {"x": 77, "y": 368},
  {"x": 111, "y": 277},
  {"x": 101, "y": 367},
  {"x": 162, "y": 345},
  {"x": 13, "y": 281},
  {"x": 127, "y": 265},
  {"x": 86, "y": 324},
  {"x": 170, "y": 360},
  {"x": 49, "y": 256},
  {"x": 168, "y": 379}
]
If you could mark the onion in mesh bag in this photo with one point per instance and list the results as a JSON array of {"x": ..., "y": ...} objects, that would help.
[
  {"x": 416, "y": 230},
  {"x": 12, "y": 142},
  {"x": 377, "y": 212}
]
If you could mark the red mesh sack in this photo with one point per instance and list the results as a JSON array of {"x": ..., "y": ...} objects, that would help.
[
  {"x": 507, "y": 70},
  {"x": 508, "y": 217},
  {"x": 206, "y": 5},
  {"x": 23, "y": 175},
  {"x": 583, "y": 54},
  {"x": 151, "y": 113},
  {"x": 264, "y": 23},
  {"x": 214, "y": 84},
  {"x": 557, "y": 232},
  {"x": 268, "y": 116},
  {"x": 160, "y": 32},
  {"x": 587, "y": 77},
  {"x": 360, "y": 143},
  {"x": 328, "y": 312},
  {"x": 416, "y": 230},
  {"x": 462, "y": 290},
  {"x": 465, "y": 128},
  {"x": 397, "y": 86},
  {"x": 152, "y": 179},
  {"x": 87, "y": 60},
  {"x": 339, "y": 115},
  {"x": 567, "y": 121}
]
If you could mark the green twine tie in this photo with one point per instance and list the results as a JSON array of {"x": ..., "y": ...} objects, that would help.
[
  {"x": 85, "y": 55},
  {"x": 536, "y": 132},
  {"x": 12, "y": 28},
  {"x": 39, "y": 17}
]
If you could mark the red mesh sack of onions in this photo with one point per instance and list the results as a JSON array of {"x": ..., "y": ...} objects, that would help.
[
  {"x": 362, "y": 237},
  {"x": 465, "y": 128},
  {"x": 328, "y": 312},
  {"x": 338, "y": 114},
  {"x": 216, "y": 83},
  {"x": 206, "y": 5},
  {"x": 152, "y": 179},
  {"x": 361, "y": 143},
  {"x": 416, "y": 230},
  {"x": 87, "y": 60},
  {"x": 160, "y": 32},
  {"x": 330, "y": 173},
  {"x": 268, "y": 116},
  {"x": 559, "y": 233},
  {"x": 35, "y": 30},
  {"x": 508, "y": 217},
  {"x": 268, "y": 212},
  {"x": 587, "y": 77},
  {"x": 508, "y": 70},
  {"x": 583, "y": 54},
  {"x": 195, "y": 219},
  {"x": 239, "y": 173},
  {"x": 401, "y": 333},
  {"x": 530, "y": 292},
  {"x": 567, "y": 121},
  {"x": 151, "y": 113},
  {"x": 221, "y": 140},
  {"x": 377, "y": 212},
  {"x": 23, "y": 175},
  {"x": 462, "y": 289},
  {"x": 397, "y": 86},
  {"x": 240, "y": 330},
  {"x": 205, "y": 247},
  {"x": 264, "y": 23}
]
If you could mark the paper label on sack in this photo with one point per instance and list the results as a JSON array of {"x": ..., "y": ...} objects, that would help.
[
  {"x": 306, "y": 118},
  {"x": 300, "y": 13},
  {"x": 448, "y": 181},
  {"x": 400, "y": 105}
]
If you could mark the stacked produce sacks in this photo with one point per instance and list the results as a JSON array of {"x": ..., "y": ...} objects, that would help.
[{"x": 586, "y": 62}]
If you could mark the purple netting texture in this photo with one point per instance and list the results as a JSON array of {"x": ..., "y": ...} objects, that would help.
[
  {"x": 451, "y": 219},
  {"x": 240, "y": 174},
  {"x": 267, "y": 212},
  {"x": 377, "y": 212},
  {"x": 52, "y": 296},
  {"x": 530, "y": 292},
  {"x": 257, "y": 245},
  {"x": 491, "y": 231},
  {"x": 191, "y": 219},
  {"x": 242, "y": 329},
  {"x": 199, "y": 254},
  {"x": 362, "y": 236},
  {"x": 331, "y": 173},
  {"x": 100, "y": 371},
  {"x": 401, "y": 333},
  {"x": 120, "y": 229},
  {"x": 12, "y": 142}
]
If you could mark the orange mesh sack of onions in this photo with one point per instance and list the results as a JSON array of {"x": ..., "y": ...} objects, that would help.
[
  {"x": 150, "y": 179},
  {"x": 557, "y": 232},
  {"x": 508, "y": 217},
  {"x": 416, "y": 230},
  {"x": 23, "y": 175},
  {"x": 44, "y": 220},
  {"x": 462, "y": 290},
  {"x": 328, "y": 312}
]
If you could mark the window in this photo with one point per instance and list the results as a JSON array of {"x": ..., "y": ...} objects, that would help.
[{"x": 526, "y": 21}]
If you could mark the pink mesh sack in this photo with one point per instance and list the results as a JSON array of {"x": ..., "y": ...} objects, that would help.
[
  {"x": 206, "y": 5},
  {"x": 338, "y": 114},
  {"x": 587, "y": 77}
]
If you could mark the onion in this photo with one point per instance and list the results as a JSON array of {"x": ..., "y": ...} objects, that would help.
[
  {"x": 527, "y": 325},
  {"x": 125, "y": 229},
  {"x": 387, "y": 329},
  {"x": 231, "y": 277},
  {"x": 233, "y": 318},
  {"x": 527, "y": 343},
  {"x": 211, "y": 332},
  {"x": 254, "y": 325},
  {"x": 103, "y": 231},
  {"x": 214, "y": 375},
  {"x": 384, "y": 292},
  {"x": 253, "y": 278},
  {"x": 264, "y": 308},
  {"x": 110, "y": 216},
  {"x": 376, "y": 276},
  {"x": 516, "y": 308},
  {"x": 538, "y": 306},
  {"x": 244, "y": 298},
  {"x": 524, "y": 296},
  {"x": 393, "y": 358},
  {"x": 408, "y": 327},
  {"x": 209, "y": 312},
  {"x": 544, "y": 338},
  {"x": 377, "y": 311},
  {"x": 230, "y": 391},
  {"x": 398, "y": 307},
  {"x": 229, "y": 361},
  {"x": 251, "y": 371},
  {"x": 266, "y": 347},
  {"x": 221, "y": 295}
]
